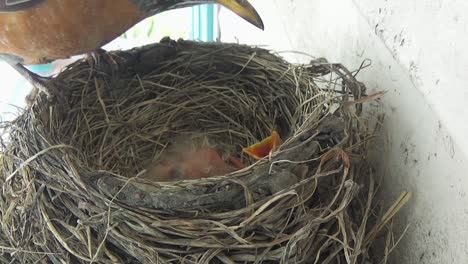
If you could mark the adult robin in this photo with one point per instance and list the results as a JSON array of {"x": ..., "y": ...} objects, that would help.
[{"x": 40, "y": 31}]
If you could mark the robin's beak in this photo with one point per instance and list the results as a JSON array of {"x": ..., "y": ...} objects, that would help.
[{"x": 245, "y": 10}]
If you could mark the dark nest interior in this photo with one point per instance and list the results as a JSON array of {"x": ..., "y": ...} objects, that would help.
[{"x": 73, "y": 164}]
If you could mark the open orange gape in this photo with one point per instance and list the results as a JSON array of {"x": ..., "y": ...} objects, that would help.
[{"x": 263, "y": 148}]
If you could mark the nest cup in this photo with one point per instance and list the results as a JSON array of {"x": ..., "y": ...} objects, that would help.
[{"x": 71, "y": 165}]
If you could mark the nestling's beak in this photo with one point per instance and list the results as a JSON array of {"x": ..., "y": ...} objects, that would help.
[
  {"x": 245, "y": 10},
  {"x": 263, "y": 148}
]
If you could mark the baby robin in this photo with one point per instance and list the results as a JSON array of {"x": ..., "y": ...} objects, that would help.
[{"x": 190, "y": 161}]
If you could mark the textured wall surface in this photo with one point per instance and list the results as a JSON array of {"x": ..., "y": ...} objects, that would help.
[{"x": 418, "y": 54}]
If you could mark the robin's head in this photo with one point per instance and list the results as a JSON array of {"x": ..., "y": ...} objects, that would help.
[{"x": 241, "y": 7}]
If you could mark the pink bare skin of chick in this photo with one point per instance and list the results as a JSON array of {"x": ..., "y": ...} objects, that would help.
[{"x": 191, "y": 164}]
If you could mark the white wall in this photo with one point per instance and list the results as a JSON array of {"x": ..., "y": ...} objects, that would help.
[{"x": 419, "y": 50}]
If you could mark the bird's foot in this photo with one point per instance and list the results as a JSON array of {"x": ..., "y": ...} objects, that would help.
[
  {"x": 100, "y": 58},
  {"x": 40, "y": 86},
  {"x": 31, "y": 97}
]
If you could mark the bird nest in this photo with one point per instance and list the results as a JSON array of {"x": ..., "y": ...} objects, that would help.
[{"x": 72, "y": 164}]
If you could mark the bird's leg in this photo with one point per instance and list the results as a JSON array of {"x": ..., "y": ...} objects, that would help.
[{"x": 38, "y": 83}]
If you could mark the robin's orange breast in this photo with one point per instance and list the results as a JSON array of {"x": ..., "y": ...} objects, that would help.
[{"x": 56, "y": 29}]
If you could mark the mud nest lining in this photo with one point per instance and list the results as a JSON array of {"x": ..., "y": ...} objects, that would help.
[{"x": 71, "y": 164}]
